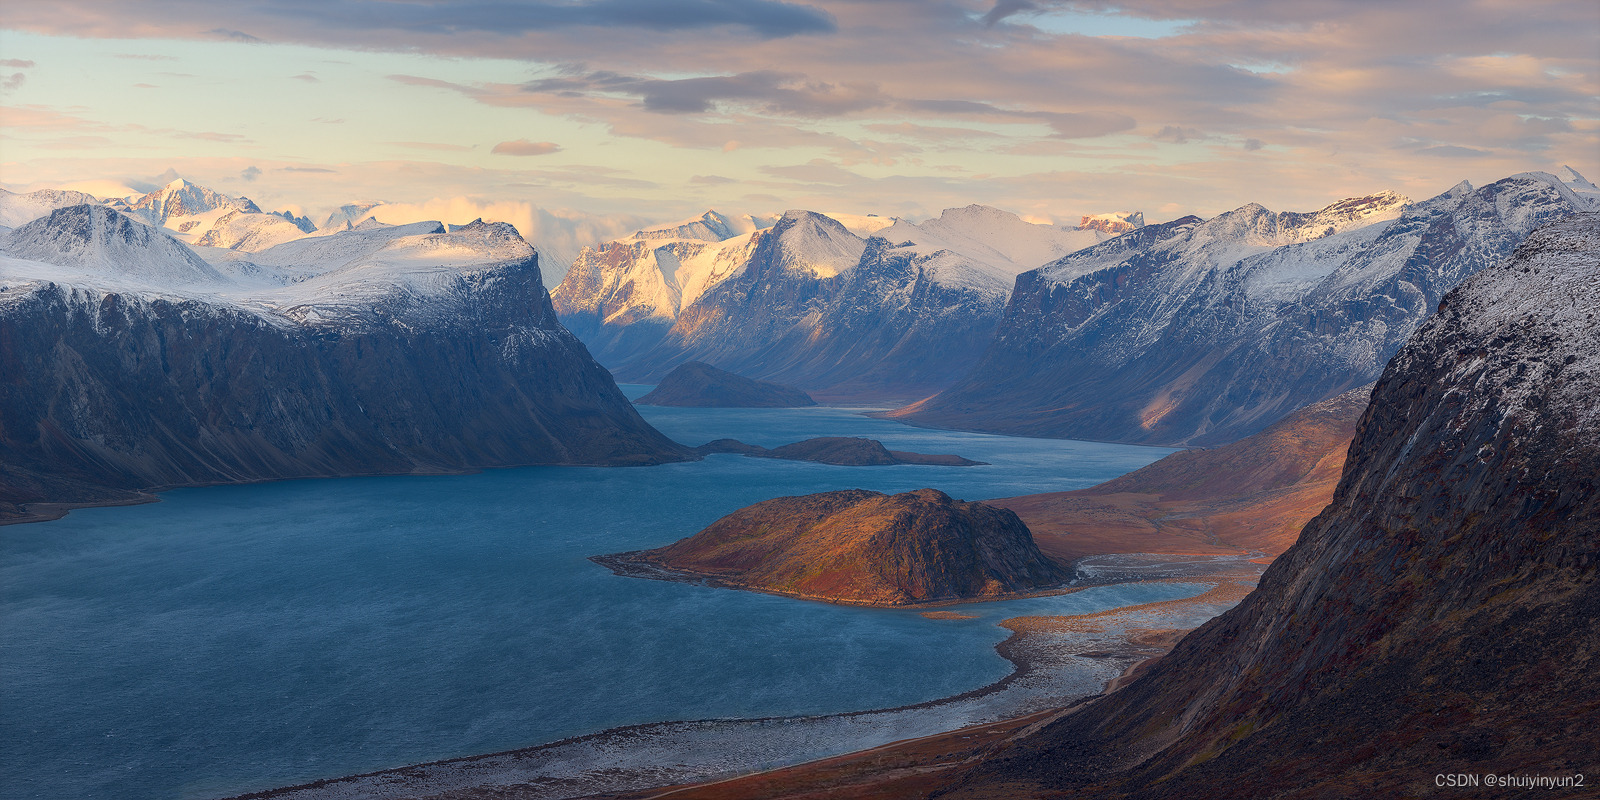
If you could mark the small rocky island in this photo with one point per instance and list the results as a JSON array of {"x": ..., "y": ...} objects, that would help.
[
  {"x": 840, "y": 451},
  {"x": 696, "y": 384},
  {"x": 858, "y": 547}
]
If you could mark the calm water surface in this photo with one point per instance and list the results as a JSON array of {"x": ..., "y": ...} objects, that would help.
[{"x": 232, "y": 639}]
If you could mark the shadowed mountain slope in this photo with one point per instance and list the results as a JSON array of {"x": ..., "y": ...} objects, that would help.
[
  {"x": 127, "y": 364},
  {"x": 1201, "y": 333},
  {"x": 1442, "y": 615}
]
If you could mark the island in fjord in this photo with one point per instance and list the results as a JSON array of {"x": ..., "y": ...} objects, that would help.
[
  {"x": 696, "y": 384},
  {"x": 840, "y": 451},
  {"x": 859, "y": 547}
]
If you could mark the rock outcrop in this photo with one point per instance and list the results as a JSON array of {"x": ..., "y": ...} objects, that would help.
[
  {"x": 699, "y": 385},
  {"x": 1441, "y": 616},
  {"x": 1201, "y": 333},
  {"x": 860, "y": 547},
  {"x": 127, "y": 364}
]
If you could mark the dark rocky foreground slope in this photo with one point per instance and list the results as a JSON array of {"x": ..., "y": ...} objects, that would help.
[
  {"x": 859, "y": 547},
  {"x": 1202, "y": 333},
  {"x": 700, "y": 385},
  {"x": 1441, "y": 616},
  {"x": 114, "y": 383}
]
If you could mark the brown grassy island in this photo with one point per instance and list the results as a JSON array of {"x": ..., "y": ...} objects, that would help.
[{"x": 859, "y": 547}]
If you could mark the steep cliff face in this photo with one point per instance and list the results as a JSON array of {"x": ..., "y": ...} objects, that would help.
[
  {"x": 125, "y": 366},
  {"x": 1205, "y": 332},
  {"x": 1442, "y": 615},
  {"x": 864, "y": 547}
]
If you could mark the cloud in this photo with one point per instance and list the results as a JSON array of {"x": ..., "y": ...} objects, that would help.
[
  {"x": 250, "y": 173},
  {"x": 13, "y": 81},
  {"x": 16, "y": 63},
  {"x": 1003, "y": 9},
  {"x": 307, "y": 77},
  {"x": 101, "y": 188},
  {"x": 237, "y": 36},
  {"x": 816, "y": 171},
  {"x": 711, "y": 180},
  {"x": 1177, "y": 134},
  {"x": 213, "y": 136},
  {"x": 523, "y": 147},
  {"x": 1452, "y": 151},
  {"x": 931, "y": 133},
  {"x": 770, "y": 91},
  {"x": 967, "y": 113},
  {"x": 314, "y": 170},
  {"x": 441, "y": 146},
  {"x": 767, "y": 19}
]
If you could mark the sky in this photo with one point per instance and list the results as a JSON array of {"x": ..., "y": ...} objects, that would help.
[{"x": 584, "y": 119}]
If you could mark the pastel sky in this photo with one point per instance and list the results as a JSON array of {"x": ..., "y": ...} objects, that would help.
[{"x": 604, "y": 114}]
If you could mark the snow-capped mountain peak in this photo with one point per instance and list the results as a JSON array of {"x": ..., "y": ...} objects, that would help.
[
  {"x": 1582, "y": 187},
  {"x": 19, "y": 209},
  {"x": 987, "y": 245},
  {"x": 708, "y": 227},
  {"x": 810, "y": 242},
  {"x": 1114, "y": 224},
  {"x": 103, "y": 244},
  {"x": 180, "y": 198}
]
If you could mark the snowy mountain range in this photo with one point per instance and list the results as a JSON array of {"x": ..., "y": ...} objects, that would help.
[
  {"x": 854, "y": 307},
  {"x": 1202, "y": 332},
  {"x": 381, "y": 349}
]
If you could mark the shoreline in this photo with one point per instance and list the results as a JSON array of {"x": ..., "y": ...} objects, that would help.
[
  {"x": 628, "y": 564},
  {"x": 58, "y": 509},
  {"x": 1043, "y": 652}
]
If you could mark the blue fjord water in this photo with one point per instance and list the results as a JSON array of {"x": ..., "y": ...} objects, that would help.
[{"x": 232, "y": 639}]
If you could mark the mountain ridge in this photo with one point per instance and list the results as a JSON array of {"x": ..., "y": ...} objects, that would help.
[
  {"x": 1201, "y": 333},
  {"x": 425, "y": 349}
]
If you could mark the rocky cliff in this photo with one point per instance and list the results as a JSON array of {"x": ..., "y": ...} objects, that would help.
[
  {"x": 1205, "y": 332},
  {"x": 127, "y": 364},
  {"x": 1441, "y": 616},
  {"x": 865, "y": 548},
  {"x": 701, "y": 385}
]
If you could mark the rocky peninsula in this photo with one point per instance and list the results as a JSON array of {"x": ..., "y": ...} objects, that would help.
[{"x": 859, "y": 547}]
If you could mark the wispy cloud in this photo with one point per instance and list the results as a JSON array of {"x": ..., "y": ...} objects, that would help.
[
  {"x": 523, "y": 147},
  {"x": 910, "y": 101}
]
